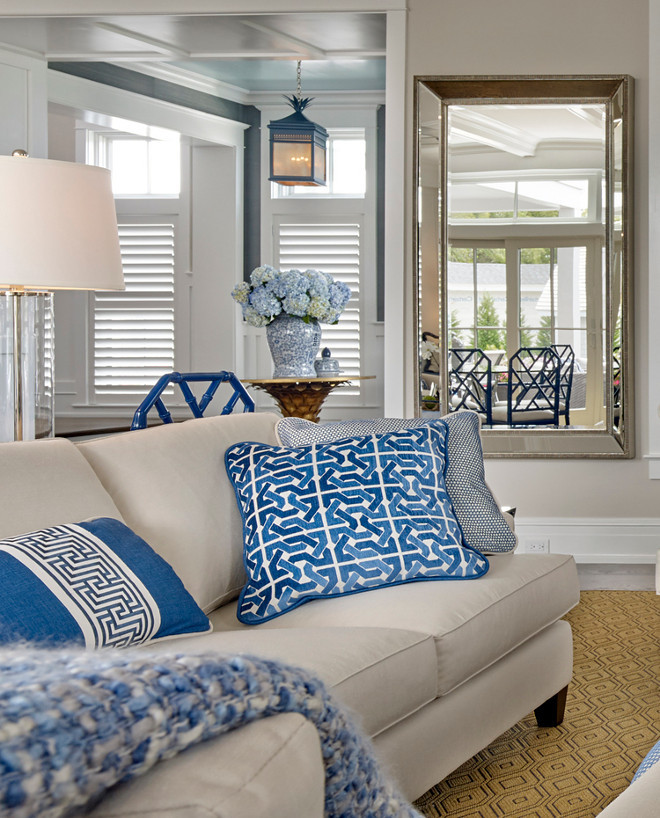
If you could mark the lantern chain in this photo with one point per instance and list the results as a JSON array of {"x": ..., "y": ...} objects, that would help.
[{"x": 299, "y": 83}]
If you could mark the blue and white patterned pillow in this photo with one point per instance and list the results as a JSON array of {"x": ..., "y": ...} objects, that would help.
[
  {"x": 346, "y": 516},
  {"x": 484, "y": 526},
  {"x": 94, "y": 583}
]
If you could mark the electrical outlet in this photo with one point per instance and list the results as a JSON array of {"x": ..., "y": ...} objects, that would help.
[{"x": 540, "y": 545}]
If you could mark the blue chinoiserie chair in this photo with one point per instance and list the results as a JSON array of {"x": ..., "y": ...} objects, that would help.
[
  {"x": 471, "y": 382},
  {"x": 533, "y": 389},
  {"x": 567, "y": 358},
  {"x": 196, "y": 407},
  {"x": 616, "y": 383}
]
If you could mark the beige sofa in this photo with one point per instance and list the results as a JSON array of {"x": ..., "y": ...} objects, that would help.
[{"x": 433, "y": 671}]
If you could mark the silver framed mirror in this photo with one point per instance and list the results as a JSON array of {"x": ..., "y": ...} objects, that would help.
[{"x": 523, "y": 260}]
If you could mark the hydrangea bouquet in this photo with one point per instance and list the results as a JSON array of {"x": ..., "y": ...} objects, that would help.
[{"x": 310, "y": 295}]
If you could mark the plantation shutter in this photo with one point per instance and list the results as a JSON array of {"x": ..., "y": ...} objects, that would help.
[
  {"x": 134, "y": 329},
  {"x": 334, "y": 248}
]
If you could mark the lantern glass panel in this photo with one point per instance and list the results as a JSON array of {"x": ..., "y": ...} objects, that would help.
[{"x": 292, "y": 159}]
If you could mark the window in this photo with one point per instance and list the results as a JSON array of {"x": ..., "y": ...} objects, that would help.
[
  {"x": 332, "y": 246},
  {"x": 336, "y": 233},
  {"x": 517, "y": 196},
  {"x": 347, "y": 175},
  {"x": 134, "y": 330},
  {"x": 548, "y": 284},
  {"x": 141, "y": 165}
]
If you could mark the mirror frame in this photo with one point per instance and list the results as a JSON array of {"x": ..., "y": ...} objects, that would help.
[{"x": 542, "y": 442}]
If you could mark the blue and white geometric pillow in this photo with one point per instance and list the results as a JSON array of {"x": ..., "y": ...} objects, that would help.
[
  {"x": 484, "y": 527},
  {"x": 346, "y": 516},
  {"x": 95, "y": 583}
]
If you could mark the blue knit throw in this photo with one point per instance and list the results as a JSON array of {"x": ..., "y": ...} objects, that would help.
[{"x": 74, "y": 723}]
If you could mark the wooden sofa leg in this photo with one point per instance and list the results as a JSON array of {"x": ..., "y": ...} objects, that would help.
[{"x": 551, "y": 712}]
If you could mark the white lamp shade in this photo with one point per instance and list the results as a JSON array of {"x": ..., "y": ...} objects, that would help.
[{"x": 58, "y": 226}]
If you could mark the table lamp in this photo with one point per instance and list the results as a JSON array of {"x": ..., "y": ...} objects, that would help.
[{"x": 58, "y": 231}]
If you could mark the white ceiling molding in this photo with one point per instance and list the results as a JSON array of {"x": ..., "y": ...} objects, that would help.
[
  {"x": 348, "y": 99},
  {"x": 489, "y": 131},
  {"x": 78, "y": 94},
  {"x": 192, "y": 80},
  {"x": 78, "y": 8}
]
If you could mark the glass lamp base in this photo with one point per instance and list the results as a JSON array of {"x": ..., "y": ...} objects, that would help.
[{"x": 26, "y": 365}]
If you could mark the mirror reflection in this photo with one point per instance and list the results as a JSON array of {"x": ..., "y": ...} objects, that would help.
[{"x": 522, "y": 270}]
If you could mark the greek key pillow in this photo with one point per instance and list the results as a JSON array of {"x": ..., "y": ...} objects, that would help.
[
  {"x": 484, "y": 527},
  {"x": 345, "y": 516},
  {"x": 94, "y": 583}
]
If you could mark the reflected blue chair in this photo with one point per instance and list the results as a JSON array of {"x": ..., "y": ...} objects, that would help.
[
  {"x": 471, "y": 382},
  {"x": 533, "y": 389},
  {"x": 567, "y": 358},
  {"x": 196, "y": 407}
]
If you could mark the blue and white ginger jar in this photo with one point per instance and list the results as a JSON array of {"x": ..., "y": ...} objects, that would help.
[{"x": 294, "y": 345}]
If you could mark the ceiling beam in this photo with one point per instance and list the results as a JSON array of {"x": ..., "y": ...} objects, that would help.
[
  {"x": 306, "y": 48},
  {"x": 489, "y": 131},
  {"x": 159, "y": 45}
]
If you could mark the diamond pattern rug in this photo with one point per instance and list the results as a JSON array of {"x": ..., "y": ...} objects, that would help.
[{"x": 612, "y": 720}]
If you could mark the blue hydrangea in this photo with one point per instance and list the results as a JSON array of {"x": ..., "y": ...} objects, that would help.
[
  {"x": 254, "y": 318},
  {"x": 296, "y": 305},
  {"x": 312, "y": 295},
  {"x": 241, "y": 292},
  {"x": 339, "y": 295},
  {"x": 262, "y": 275},
  {"x": 318, "y": 283},
  {"x": 319, "y": 308},
  {"x": 265, "y": 302}
]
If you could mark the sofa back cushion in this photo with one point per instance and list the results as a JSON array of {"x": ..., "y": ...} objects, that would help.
[
  {"x": 45, "y": 483},
  {"x": 170, "y": 485}
]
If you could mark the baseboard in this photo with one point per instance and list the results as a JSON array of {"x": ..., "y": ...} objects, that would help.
[{"x": 596, "y": 540}]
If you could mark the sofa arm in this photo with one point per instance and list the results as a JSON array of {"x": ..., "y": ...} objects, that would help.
[
  {"x": 270, "y": 767},
  {"x": 640, "y": 799}
]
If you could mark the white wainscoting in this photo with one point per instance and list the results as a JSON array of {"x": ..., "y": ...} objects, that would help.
[{"x": 604, "y": 540}]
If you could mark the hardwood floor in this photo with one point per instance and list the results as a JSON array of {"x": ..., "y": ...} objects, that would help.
[{"x": 616, "y": 577}]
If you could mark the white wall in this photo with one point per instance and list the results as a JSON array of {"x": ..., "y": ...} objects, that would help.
[
  {"x": 22, "y": 103},
  {"x": 562, "y": 37}
]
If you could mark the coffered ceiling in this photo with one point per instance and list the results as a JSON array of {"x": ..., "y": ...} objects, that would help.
[{"x": 254, "y": 53}]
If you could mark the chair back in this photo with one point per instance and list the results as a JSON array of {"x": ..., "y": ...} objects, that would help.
[
  {"x": 567, "y": 358},
  {"x": 533, "y": 392},
  {"x": 432, "y": 363},
  {"x": 616, "y": 376},
  {"x": 214, "y": 379},
  {"x": 471, "y": 382}
]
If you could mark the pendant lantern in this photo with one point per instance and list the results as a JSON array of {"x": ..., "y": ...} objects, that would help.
[{"x": 297, "y": 146}]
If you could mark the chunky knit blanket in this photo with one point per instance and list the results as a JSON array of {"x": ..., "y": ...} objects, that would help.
[{"x": 74, "y": 723}]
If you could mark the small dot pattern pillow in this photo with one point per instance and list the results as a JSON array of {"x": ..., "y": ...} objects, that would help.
[{"x": 484, "y": 527}]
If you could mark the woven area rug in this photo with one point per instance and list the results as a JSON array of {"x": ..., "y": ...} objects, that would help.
[{"x": 612, "y": 720}]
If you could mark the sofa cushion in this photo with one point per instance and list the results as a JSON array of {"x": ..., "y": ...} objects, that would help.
[
  {"x": 382, "y": 674},
  {"x": 170, "y": 484},
  {"x": 94, "y": 583},
  {"x": 352, "y": 515},
  {"x": 473, "y": 623},
  {"x": 270, "y": 767},
  {"x": 45, "y": 483},
  {"x": 484, "y": 526}
]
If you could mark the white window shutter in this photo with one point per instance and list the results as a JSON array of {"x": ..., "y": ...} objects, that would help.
[
  {"x": 134, "y": 329},
  {"x": 332, "y": 247}
]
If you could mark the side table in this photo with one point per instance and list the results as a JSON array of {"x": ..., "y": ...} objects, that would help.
[{"x": 302, "y": 397}]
